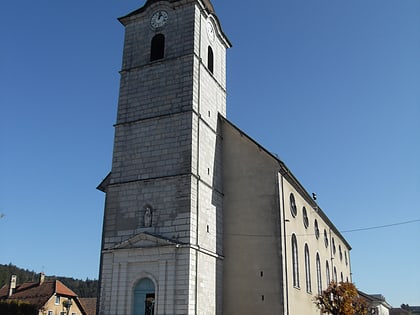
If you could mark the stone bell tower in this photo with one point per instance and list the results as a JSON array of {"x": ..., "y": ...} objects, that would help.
[{"x": 161, "y": 247}]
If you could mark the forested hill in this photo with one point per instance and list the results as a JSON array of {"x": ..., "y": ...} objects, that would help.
[{"x": 83, "y": 288}]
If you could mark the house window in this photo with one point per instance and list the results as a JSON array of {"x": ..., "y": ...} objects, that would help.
[
  {"x": 340, "y": 252},
  {"x": 305, "y": 217},
  {"x": 144, "y": 297},
  {"x": 335, "y": 275},
  {"x": 157, "y": 50},
  {"x": 295, "y": 262},
  {"x": 333, "y": 246},
  {"x": 318, "y": 274},
  {"x": 293, "y": 208},
  {"x": 316, "y": 228},
  {"x": 210, "y": 59},
  {"x": 307, "y": 269},
  {"x": 57, "y": 300},
  {"x": 50, "y": 313},
  {"x": 341, "y": 277},
  {"x": 345, "y": 257},
  {"x": 327, "y": 273}
]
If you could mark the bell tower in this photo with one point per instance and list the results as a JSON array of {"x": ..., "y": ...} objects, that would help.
[{"x": 161, "y": 249}]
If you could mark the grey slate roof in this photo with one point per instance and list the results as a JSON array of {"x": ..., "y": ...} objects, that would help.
[{"x": 209, "y": 7}]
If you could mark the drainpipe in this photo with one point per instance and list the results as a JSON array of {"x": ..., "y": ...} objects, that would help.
[{"x": 283, "y": 236}]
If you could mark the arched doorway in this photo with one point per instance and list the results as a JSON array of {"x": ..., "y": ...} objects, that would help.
[{"x": 144, "y": 297}]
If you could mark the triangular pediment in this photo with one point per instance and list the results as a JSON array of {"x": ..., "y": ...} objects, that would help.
[{"x": 144, "y": 240}]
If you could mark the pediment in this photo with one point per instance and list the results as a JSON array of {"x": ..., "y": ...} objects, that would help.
[{"x": 144, "y": 240}]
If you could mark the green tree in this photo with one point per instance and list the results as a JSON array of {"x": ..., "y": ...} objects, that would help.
[
  {"x": 17, "y": 308},
  {"x": 341, "y": 299}
]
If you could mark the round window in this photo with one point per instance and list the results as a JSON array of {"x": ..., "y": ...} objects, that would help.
[
  {"x": 325, "y": 238},
  {"x": 305, "y": 218},
  {"x": 293, "y": 208},
  {"x": 316, "y": 228}
]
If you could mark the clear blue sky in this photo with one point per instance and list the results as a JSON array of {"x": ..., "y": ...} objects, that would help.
[{"x": 331, "y": 86}]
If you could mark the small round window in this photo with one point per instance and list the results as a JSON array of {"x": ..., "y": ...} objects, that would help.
[
  {"x": 293, "y": 208},
  {"x": 316, "y": 228},
  {"x": 325, "y": 238},
  {"x": 305, "y": 217}
]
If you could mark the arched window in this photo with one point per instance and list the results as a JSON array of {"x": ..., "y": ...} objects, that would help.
[
  {"x": 210, "y": 59},
  {"x": 341, "y": 277},
  {"x": 327, "y": 273},
  {"x": 144, "y": 297},
  {"x": 307, "y": 269},
  {"x": 318, "y": 273},
  {"x": 295, "y": 262},
  {"x": 157, "y": 49},
  {"x": 335, "y": 275}
]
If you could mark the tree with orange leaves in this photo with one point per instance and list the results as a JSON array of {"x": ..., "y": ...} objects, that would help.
[{"x": 341, "y": 299}]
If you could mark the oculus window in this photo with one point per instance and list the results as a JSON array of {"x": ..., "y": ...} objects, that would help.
[
  {"x": 325, "y": 238},
  {"x": 293, "y": 208},
  {"x": 316, "y": 228},
  {"x": 305, "y": 217}
]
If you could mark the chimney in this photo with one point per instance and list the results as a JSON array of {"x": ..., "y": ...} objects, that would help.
[
  {"x": 41, "y": 278},
  {"x": 12, "y": 286}
]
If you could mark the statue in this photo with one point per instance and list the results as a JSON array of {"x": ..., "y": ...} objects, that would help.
[{"x": 148, "y": 217}]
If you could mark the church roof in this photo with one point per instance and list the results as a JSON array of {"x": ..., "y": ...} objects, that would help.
[
  {"x": 207, "y": 4},
  {"x": 290, "y": 177}
]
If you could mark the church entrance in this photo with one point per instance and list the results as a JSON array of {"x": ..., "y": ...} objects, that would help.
[{"x": 144, "y": 297}]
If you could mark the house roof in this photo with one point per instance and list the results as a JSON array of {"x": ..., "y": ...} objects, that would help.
[
  {"x": 36, "y": 293},
  {"x": 375, "y": 299},
  {"x": 89, "y": 305},
  {"x": 398, "y": 311}
]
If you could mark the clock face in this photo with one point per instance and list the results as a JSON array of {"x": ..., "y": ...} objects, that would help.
[
  {"x": 159, "y": 19},
  {"x": 210, "y": 31}
]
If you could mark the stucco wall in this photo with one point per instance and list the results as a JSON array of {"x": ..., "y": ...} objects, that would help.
[{"x": 252, "y": 264}]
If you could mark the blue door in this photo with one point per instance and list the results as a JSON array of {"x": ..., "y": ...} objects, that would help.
[{"x": 144, "y": 297}]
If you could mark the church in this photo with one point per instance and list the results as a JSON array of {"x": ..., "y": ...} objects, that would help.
[{"x": 199, "y": 218}]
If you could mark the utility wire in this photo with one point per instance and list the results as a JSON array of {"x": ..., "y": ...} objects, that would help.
[
  {"x": 381, "y": 226},
  {"x": 346, "y": 231}
]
